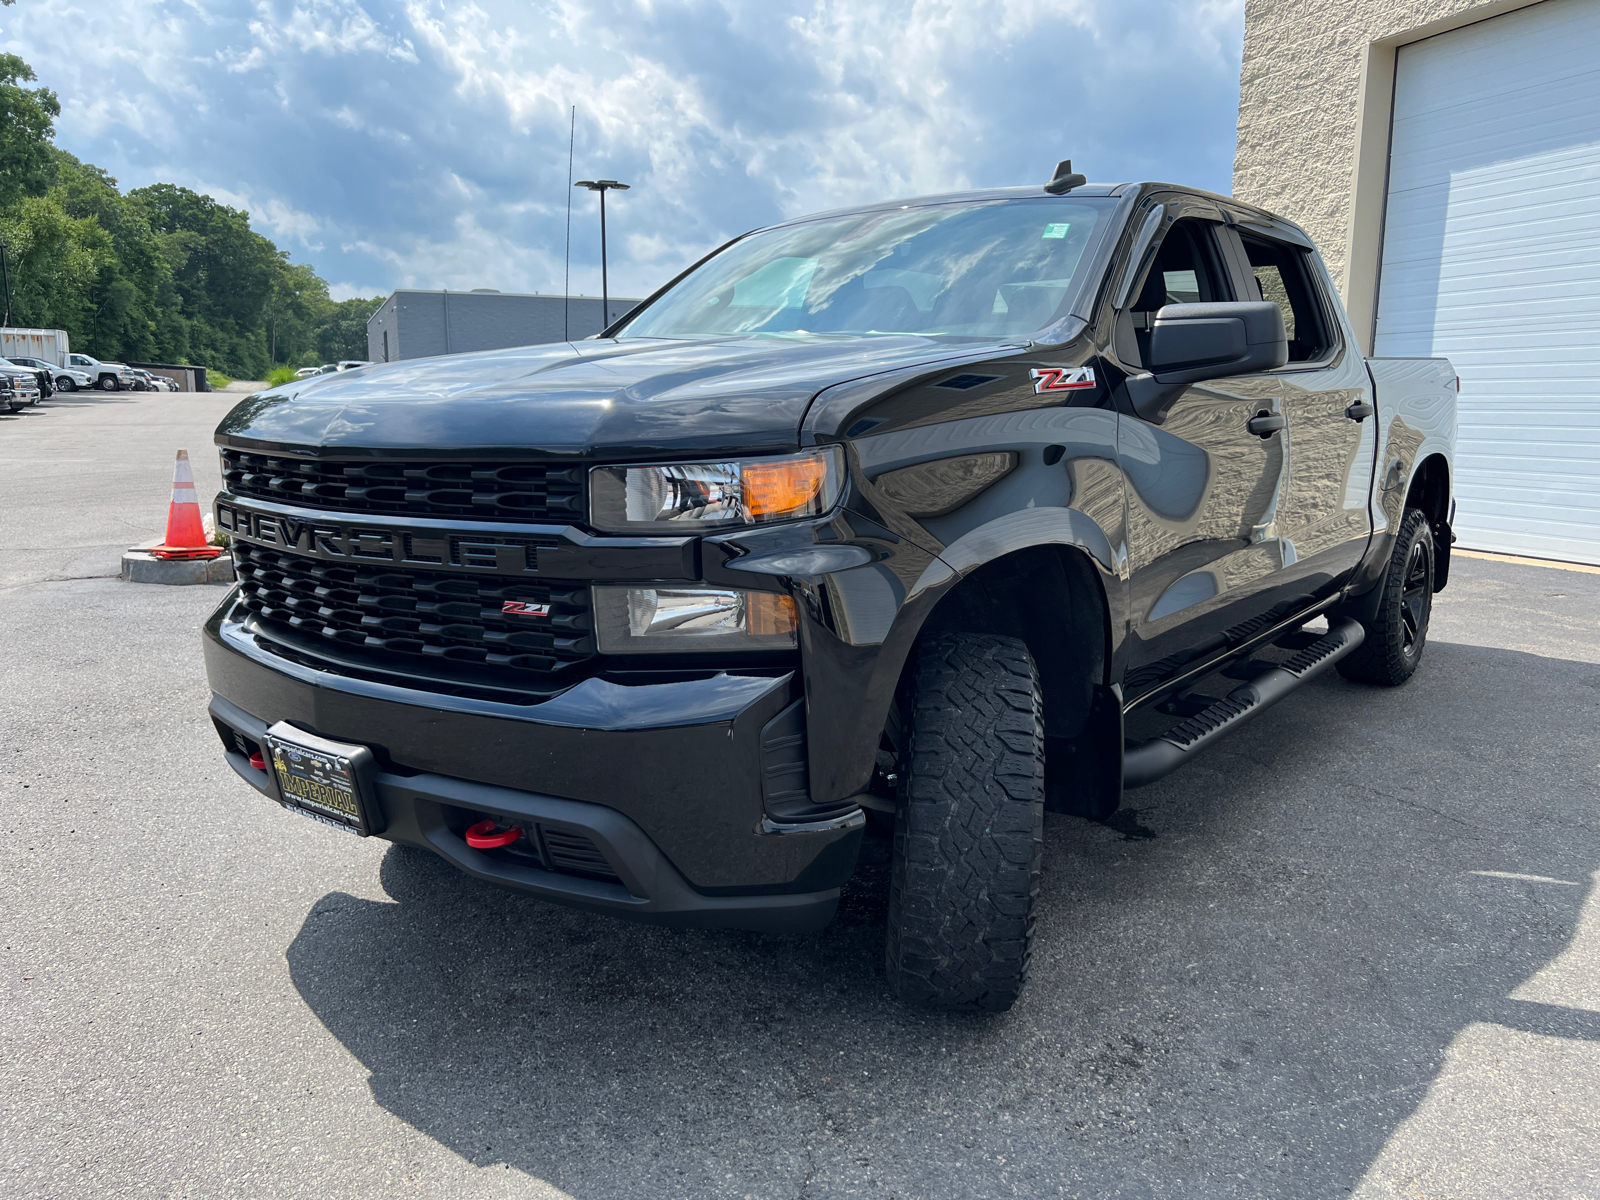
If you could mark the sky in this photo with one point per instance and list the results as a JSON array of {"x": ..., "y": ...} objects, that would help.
[{"x": 424, "y": 143}]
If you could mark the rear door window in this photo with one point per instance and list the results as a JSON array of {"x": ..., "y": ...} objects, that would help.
[{"x": 1282, "y": 274}]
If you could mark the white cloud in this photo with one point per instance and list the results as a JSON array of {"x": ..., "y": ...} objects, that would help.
[
  {"x": 469, "y": 256},
  {"x": 331, "y": 27},
  {"x": 424, "y": 142}
]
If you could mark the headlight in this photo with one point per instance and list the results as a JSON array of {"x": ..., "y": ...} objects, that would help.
[
  {"x": 680, "y": 497},
  {"x": 684, "y": 620}
]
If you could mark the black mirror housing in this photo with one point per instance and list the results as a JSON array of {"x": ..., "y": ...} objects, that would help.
[
  {"x": 1209, "y": 341},
  {"x": 1190, "y": 343}
]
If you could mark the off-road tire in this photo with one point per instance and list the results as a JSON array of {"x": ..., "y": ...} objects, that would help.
[
  {"x": 1397, "y": 635},
  {"x": 108, "y": 383},
  {"x": 969, "y": 828}
]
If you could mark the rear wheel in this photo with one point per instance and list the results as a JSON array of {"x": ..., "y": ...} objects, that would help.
[
  {"x": 969, "y": 833},
  {"x": 1397, "y": 634},
  {"x": 65, "y": 384}
]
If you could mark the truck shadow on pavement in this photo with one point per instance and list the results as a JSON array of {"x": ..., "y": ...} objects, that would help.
[{"x": 1247, "y": 1003}]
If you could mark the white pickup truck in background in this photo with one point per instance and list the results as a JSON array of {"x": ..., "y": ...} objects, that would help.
[{"x": 108, "y": 377}]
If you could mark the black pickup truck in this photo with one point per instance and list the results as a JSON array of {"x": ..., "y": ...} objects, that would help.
[{"x": 908, "y": 522}]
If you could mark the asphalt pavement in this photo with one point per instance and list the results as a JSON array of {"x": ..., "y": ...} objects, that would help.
[{"x": 1355, "y": 950}]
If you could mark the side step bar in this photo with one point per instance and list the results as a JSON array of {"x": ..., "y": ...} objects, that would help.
[{"x": 1160, "y": 756}]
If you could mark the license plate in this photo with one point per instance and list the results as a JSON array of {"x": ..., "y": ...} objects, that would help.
[{"x": 318, "y": 778}]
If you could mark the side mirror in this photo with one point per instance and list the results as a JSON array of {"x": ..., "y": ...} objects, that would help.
[{"x": 1190, "y": 343}]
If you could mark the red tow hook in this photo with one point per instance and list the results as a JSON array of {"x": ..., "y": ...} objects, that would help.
[
  {"x": 258, "y": 762},
  {"x": 483, "y": 837}
]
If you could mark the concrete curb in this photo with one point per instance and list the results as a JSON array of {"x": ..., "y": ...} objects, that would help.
[{"x": 140, "y": 566}]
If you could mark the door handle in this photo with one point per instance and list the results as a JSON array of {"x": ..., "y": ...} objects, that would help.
[
  {"x": 1360, "y": 410},
  {"x": 1265, "y": 424}
]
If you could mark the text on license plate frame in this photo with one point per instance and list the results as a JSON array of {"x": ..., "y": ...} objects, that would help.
[{"x": 319, "y": 778}]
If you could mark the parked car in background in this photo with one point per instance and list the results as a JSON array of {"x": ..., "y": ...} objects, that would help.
[
  {"x": 19, "y": 387},
  {"x": 63, "y": 379},
  {"x": 350, "y": 364},
  {"x": 307, "y": 372},
  {"x": 41, "y": 376},
  {"x": 108, "y": 377}
]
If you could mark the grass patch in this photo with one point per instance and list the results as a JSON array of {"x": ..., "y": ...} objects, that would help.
[
  {"x": 217, "y": 380},
  {"x": 280, "y": 375}
]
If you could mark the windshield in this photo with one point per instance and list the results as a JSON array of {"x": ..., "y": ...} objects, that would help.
[{"x": 999, "y": 268}]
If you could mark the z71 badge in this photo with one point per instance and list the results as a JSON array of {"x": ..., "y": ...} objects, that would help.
[
  {"x": 525, "y": 608},
  {"x": 1062, "y": 379}
]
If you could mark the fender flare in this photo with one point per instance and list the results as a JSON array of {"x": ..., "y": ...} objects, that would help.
[{"x": 989, "y": 543}]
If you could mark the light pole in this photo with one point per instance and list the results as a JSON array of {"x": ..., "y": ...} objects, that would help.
[{"x": 603, "y": 186}]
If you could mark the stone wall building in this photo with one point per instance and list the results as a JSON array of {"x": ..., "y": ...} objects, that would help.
[{"x": 1445, "y": 155}]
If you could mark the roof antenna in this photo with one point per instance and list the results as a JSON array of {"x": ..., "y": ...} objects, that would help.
[
  {"x": 1064, "y": 179},
  {"x": 566, "y": 282}
]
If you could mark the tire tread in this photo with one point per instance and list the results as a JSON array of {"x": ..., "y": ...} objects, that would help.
[
  {"x": 1381, "y": 658},
  {"x": 969, "y": 840}
]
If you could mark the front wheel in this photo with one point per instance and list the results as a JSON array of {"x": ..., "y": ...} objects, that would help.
[
  {"x": 108, "y": 383},
  {"x": 65, "y": 384},
  {"x": 969, "y": 833},
  {"x": 1397, "y": 634}
]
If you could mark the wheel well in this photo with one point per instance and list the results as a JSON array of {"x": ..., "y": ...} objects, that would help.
[
  {"x": 1050, "y": 597},
  {"x": 1430, "y": 492}
]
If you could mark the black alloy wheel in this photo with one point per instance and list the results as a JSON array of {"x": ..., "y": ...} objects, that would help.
[
  {"x": 1398, "y": 632},
  {"x": 1416, "y": 601}
]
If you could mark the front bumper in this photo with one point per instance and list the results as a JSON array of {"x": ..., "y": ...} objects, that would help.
[{"x": 662, "y": 779}]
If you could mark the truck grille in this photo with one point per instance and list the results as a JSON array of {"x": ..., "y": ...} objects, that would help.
[
  {"x": 492, "y": 491},
  {"x": 424, "y": 617}
]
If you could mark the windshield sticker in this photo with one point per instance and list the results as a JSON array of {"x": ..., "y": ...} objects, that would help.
[
  {"x": 1062, "y": 379},
  {"x": 1058, "y": 230}
]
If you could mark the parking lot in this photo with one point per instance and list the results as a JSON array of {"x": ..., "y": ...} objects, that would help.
[{"x": 1353, "y": 951}]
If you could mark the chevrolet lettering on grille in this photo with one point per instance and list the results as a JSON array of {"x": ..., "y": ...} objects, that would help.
[{"x": 360, "y": 544}]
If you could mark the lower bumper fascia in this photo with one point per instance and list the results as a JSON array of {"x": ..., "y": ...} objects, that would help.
[{"x": 434, "y": 811}]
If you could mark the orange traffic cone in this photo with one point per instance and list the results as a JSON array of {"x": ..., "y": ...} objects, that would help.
[{"x": 186, "y": 533}]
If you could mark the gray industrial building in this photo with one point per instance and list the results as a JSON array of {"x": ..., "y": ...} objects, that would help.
[{"x": 418, "y": 324}]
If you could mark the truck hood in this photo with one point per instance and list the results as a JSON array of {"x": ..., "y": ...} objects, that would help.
[{"x": 597, "y": 399}]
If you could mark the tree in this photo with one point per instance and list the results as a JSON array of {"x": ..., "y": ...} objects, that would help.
[
  {"x": 134, "y": 284},
  {"x": 159, "y": 274},
  {"x": 295, "y": 305},
  {"x": 225, "y": 278},
  {"x": 343, "y": 333},
  {"x": 53, "y": 262},
  {"x": 27, "y": 123}
]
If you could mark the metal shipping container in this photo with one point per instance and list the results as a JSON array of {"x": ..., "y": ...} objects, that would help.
[{"x": 49, "y": 344}]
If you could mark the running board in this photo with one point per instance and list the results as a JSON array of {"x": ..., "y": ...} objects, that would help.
[{"x": 1160, "y": 756}]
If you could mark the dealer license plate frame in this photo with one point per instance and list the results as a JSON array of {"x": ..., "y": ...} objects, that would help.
[{"x": 330, "y": 782}]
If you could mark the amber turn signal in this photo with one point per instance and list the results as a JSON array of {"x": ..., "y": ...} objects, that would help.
[
  {"x": 770, "y": 614},
  {"x": 778, "y": 488}
]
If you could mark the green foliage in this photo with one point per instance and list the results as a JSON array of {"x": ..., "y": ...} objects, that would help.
[
  {"x": 27, "y": 123},
  {"x": 343, "y": 332},
  {"x": 280, "y": 375},
  {"x": 161, "y": 274},
  {"x": 53, "y": 262}
]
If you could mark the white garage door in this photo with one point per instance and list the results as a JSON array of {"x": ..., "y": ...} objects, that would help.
[{"x": 1492, "y": 257}]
